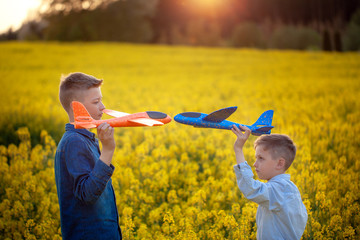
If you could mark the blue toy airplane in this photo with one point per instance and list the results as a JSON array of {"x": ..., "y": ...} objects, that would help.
[{"x": 217, "y": 120}]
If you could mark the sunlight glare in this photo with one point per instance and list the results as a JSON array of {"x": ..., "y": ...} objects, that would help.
[
  {"x": 207, "y": 3},
  {"x": 206, "y": 6},
  {"x": 14, "y": 12}
]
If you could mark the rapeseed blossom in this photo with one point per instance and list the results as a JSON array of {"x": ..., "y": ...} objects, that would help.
[{"x": 175, "y": 181}]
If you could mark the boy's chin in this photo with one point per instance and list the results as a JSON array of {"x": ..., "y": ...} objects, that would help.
[
  {"x": 97, "y": 117},
  {"x": 263, "y": 178},
  {"x": 260, "y": 177}
]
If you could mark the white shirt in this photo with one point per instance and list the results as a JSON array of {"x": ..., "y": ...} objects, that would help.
[{"x": 281, "y": 213}]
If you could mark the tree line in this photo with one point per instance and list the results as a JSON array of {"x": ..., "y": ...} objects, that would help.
[{"x": 326, "y": 24}]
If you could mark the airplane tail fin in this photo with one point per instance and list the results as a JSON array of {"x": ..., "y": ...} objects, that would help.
[
  {"x": 263, "y": 124},
  {"x": 81, "y": 116},
  {"x": 265, "y": 118}
]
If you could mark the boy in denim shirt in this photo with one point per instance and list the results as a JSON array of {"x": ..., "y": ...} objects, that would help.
[
  {"x": 281, "y": 213},
  {"x": 83, "y": 172}
]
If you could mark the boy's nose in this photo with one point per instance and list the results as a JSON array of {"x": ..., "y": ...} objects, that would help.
[
  {"x": 255, "y": 164},
  {"x": 102, "y": 106}
]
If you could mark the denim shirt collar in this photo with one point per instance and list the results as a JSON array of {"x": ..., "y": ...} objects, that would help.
[{"x": 71, "y": 128}]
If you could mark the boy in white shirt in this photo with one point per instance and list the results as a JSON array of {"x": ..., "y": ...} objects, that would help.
[{"x": 281, "y": 213}]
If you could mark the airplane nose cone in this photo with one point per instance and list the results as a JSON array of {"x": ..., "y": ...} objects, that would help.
[
  {"x": 167, "y": 119},
  {"x": 159, "y": 116},
  {"x": 176, "y": 118},
  {"x": 156, "y": 115},
  {"x": 186, "y": 116}
]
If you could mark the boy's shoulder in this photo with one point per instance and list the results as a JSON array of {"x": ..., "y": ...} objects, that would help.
[
  {"x": 282, "y": 179},
  {"x": 72, "y": 137},
  {"x": 283, "y": 184}
]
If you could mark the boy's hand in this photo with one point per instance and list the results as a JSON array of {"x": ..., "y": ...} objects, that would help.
[
  {"x": 241, "y": 137},
  {"x": 240, "y": 141},
  {"x": 106, "y": 136}
]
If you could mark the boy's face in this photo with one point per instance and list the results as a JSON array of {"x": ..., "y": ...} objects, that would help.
[
  {"x": 91, "y": 98},
  {"x": 265, "y": 166}
]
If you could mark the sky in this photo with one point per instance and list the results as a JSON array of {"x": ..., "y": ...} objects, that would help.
[{"x": 14, "y": 12}]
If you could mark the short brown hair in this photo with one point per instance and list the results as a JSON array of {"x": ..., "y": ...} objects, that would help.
[
  {"x": 279, "y": 145},
  {"x": 71, "y": 84}
]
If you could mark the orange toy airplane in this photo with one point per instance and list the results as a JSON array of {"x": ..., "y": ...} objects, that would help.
[{"x": 148, "y": 118}]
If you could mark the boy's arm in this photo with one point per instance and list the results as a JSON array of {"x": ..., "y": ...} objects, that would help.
[
  {"x": 106, "y": 136},
  {"x": 253, "y": 190},
  {"x": 240, "y": 141},
  {"x": 90, "y": 180},
  {"x": 90, "y": 176}
]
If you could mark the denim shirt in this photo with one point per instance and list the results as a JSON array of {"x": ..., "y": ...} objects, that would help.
[
  {"x": 281, "y": 213},
  {"x": 86, "y": 196}
]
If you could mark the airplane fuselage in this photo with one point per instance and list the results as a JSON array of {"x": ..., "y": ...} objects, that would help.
[
  {"x": 196, "y": 119},
  {"x": 126, "y": 120},
  {"x": 198, "y": 122}
]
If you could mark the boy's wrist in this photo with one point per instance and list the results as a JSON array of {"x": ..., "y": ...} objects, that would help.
[
  {"x": 108, "y": 148},
  {"x": 239, "y": 156},
  {"x": 106, "y": 156}
]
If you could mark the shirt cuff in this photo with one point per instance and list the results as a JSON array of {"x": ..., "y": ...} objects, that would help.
[
  {"x": 103, "y": 171},
  {"x": 242, "y": 170}
]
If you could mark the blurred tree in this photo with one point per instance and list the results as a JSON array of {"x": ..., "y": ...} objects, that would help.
[
  {"x": 352, "y": 34},
  {"x": 9, "y": 35},
  {"x": 161, "y": 21},
  {"x": 91, "y": 21},
  {"x": 32, "y": 30},
  {"x": 66, "y": 6},
  {"x": 300, "y": 38},
  {"x": 168, "y": 15},
  {"x": 329, "y": 17},
  {"x": 249, "y": 35}
]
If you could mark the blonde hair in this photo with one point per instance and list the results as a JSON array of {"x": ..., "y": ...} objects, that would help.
[
  {"x": 72, "y": 84},
  {"x": 279, "y": 145}
]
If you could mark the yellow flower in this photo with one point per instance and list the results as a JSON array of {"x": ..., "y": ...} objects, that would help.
[{"x": 176, "y": 181}]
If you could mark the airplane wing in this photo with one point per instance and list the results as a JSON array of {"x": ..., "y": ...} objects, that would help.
[
  {"x": 114, "y": 113},
  {"x": 220, "y": 115},
  {"x": 146, "y": 122}
]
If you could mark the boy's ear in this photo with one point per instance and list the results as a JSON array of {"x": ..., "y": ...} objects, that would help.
[{"x": 281, "y": 163}]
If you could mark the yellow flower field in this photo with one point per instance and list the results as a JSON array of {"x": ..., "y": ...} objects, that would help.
[{"x": 176, "y": 181}]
